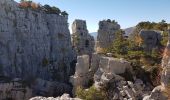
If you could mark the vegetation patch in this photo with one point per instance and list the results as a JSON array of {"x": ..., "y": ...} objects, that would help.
[
  {"x": 90, "y": 94},
  {"x": 28, "y": 4}
]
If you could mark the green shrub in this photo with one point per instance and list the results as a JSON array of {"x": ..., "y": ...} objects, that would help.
[
  {"x": 90, "y": 94},
  {"x": 64, "y": 13},
  {"x": 51, "y": 10}
]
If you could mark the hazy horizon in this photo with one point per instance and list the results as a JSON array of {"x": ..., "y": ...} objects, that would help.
[{"x": 127, "y": 13}]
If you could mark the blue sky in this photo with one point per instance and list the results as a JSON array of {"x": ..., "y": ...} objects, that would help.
[{"x": 126, "y": 12}]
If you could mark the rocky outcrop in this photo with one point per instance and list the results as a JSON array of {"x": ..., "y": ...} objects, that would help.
[
  {"x": 34, "y": 45},
  {"x": 80, "y": 77},
  {"x": 158, "y": 93},
  {"x": 107, "y": 74},
  {"x": 106, "y": 34},
  {"x": 63, "y": 97},
  {"x": 166, "y": 65},
  {"x": 99, "y": 69},
  {"x": 151, "y": 39},
  {"x": 14, "y": 90},
  {"x": 109, "y": 77},
  {"x": 82, "y": 41}
]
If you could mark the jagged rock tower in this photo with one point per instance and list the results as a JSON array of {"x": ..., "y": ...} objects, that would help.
[
  {"x": 82, "y": 41},
  {"x": 106, "y": 34}
]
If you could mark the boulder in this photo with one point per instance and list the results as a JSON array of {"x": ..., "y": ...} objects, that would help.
[{"x": 114, "y": 65}]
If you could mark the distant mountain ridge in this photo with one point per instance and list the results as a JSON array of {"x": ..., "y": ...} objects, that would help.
[
  {"x": 129, "y": 31},
  {"x": 94, "y": 34}
]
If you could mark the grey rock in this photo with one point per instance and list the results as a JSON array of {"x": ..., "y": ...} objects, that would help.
[
  {"x": 151, "y": 39},
  {"x": 156, "y": 94},
  {"x": 82, "y": 41},
  {"x": 116, "y": 96},
  {"x": 106, "y": 34},
  {"x": 63, "y": 97},
  {"x": 130, "y": 84},
  {"x": 165, "y": 77},
  {"x": 34, "y": 45}
]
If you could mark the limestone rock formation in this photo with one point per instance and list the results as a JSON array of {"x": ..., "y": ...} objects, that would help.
[
  {"x": 103, "y": 71},
  {"x": 106, "y": 34},
  {"x": 63, "y": 97},
  {"x": 81, "y": 39},
  {"x": 151, "y": 39},
  {"x": 156, "y": 94},
  {"x": 109, "y": 77},
  {"x": 166, "y": 65},
  {"x": 34, "y": 45},
  {"x": 81, "y": 75},
  {"x": 114, "y": 65},
  {"x": 14, "y": 90}
]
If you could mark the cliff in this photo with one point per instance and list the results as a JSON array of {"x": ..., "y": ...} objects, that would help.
[{"x": 34, "y": 45}]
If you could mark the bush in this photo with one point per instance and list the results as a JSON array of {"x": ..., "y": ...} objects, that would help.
[
  {"x": 64, "y": 13},
  {"x": 29, "y": 4},
  {"x": 90, "y": 94},
  {"x": 51, "y": 10}
]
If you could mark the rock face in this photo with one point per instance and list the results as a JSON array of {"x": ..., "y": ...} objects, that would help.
[
  {"x": 114, "y": 65},
  {"x": 63, "y": 97},
  {"x": 34, "y": 45},
  {"x": 14, "y": 90},
  {"x": 81, "y": 39},
  {"x": 80, "y": 77},
  {"x": 106, "y": 34},
  {"x": 109, "y": 77},
  {"x": 166, "y": 65},
  {"x": 151, "y": 39},
  {"x": 158, "y": 92}
]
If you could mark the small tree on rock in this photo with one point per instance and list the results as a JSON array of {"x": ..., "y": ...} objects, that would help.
[{"x": 64, "y": 13}]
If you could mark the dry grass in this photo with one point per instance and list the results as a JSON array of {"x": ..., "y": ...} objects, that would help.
[{"x": 167, "y": 92}]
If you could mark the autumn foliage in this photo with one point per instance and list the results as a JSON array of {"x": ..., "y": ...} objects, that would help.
[{"x": 29, "y": 4}]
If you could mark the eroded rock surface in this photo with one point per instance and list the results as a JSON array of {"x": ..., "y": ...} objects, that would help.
[
  {"x": 166, "y": 65},
  {"x": 82, "y": 41},
  {"x": 34, "y": 45},
  {"x": 151, "y": 39},
  {"x": 106, "y": 34},
  {"x": 63, "y": 97}
]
